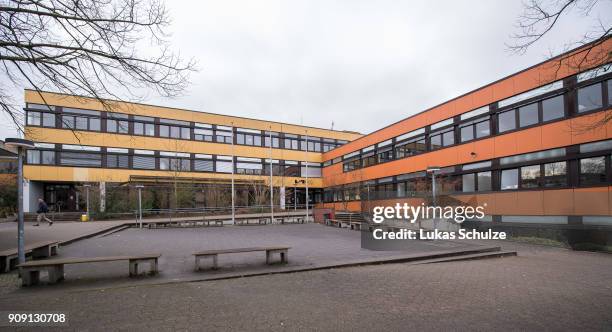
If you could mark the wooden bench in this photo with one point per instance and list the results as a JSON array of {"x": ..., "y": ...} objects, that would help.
[
  {"x": 43, "y": 249},
  {"x": 247, "y": 221},
  {"x": 281, "y": 250},
  {"x": 356, "y": 225},
  {"x": 30, "y": 271}
]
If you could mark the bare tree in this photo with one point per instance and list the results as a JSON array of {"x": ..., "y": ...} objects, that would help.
[
  {"x": 540, "y": 17},
  {"x": 88, "y": 47}
]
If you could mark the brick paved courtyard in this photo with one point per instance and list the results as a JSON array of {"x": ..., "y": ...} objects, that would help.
[{"x": 541, "y": 289}]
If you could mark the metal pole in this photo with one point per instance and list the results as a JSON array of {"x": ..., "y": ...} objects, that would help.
[
  {"x": 87, "y": 200},
  {"x": 433, "y": 187},
  {"x": 20, "y": 225},
  {"x": 271, "y": 185},
  {"x": 294, "y": 198},
  {"x": 306, "y": 220},
  {"x": 233, "y": 199},
  {"x": 140, "y": 206}
]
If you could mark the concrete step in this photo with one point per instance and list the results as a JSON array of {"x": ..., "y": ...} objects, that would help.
[
  {"x": 481, "y": 255},
  {"x": 112, "y": 231}
]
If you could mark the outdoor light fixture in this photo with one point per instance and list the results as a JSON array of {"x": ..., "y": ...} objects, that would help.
[
  {"x": 139, "y": 187},
  {"x": 21, "y": 145}
]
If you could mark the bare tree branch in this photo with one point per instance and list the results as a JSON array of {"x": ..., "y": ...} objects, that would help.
[{"x": 106, "y": 49}]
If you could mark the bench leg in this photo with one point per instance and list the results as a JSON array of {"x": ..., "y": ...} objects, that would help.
[
  {"x": 284, "y": 257},
  {"x": 133, "y": 268},
  {"x": 154, "y": 267},
  {"x": 29, "y": 277},
  {"x": 56, "y": 274}
]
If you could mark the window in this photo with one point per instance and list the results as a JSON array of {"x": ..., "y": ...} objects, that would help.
[
  {"x": 249, "y": 168},
  {"x": 438, "y": 140},
  {"x": 484, "y": 181},
  {"x": 475, "y": 129},
  {"x": 43, "y": 157},
  {"x": 328, "y": 146},
  {"x": 509, "y": 179},
  {"x": 555, "y": 174},
  {"x": 174, "y": 164},
  {"x": 203, "y": 135},
  {"x": 174, "y": 129},
  {"x": 314, "y": 144},
  {"x": 223, "y": 136},
  {"x": 68, "y": 121},
  {"x": 592, "y": 170},
  {"x": 553, "y": 108},
  {"x": 248, "y": 139},
  {"x": 33, "y": 119},
  {"x": 275, "y": 140},
  {"x": 291, "y": 142},
  {"x": 410, "y": 148},
  {"x": 385, "y": 154},
  {"x": 117, "y": 123},
  {"x": 80, "y": 159},
  {"x": 144, "y": 125},
  {"x": 313, "y": 171},
  {"x": 224, "y": 166},
  {"x": 609, "y": 92},
  {"x": 530, "y": 176},
  {"x": 143, "y": 162},
  {"x": 202, "y": 165},
  {"x": 528, "y": 115},
  {"x": 506, "y": 121},
  {"x": 589, "y": 98},
  {"x": 369, "y": 159},
  {"x": 468, "y": 182},
  {"x": 117, "y": 161},
  {"x": 351, "y": 165}
]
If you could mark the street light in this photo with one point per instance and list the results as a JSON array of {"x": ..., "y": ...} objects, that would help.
[
  {"x": 87, "y": 186},
  {"x": 21, "y": 145},
  {"x": 139, "y": 187},
  {"x": 433, "y": 170}
]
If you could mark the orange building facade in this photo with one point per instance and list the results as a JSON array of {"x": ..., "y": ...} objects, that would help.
[{"x": 532, "y": 148}]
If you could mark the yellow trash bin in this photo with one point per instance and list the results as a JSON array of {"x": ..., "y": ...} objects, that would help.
[{"x": 84, "y": 217}]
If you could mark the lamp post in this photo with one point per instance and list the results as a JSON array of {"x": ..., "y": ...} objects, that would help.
[
  {"x": 233, "y": 168},
  {"x": 307, "y": 200},
  {"x": 87, "y": 186},
  {"x": 21, "y": 145},
  {"x": 139, "y": 187},
  {"x": 433, "y": 170},
  {"x": 271, "y": 184}
]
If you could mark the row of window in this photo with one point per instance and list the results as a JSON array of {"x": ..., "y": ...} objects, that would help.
[
  {"x": 79, "y": 156},
  {"x": 590, "y": 166},
  {"x": 78, "y": 119},
  {"x": 486, "y": 121}
]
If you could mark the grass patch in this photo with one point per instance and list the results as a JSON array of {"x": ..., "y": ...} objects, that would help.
[
  {"x": 588, "y": 246},
  {"x": 539, "y": 240}
]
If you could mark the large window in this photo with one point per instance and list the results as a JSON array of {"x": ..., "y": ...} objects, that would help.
[
  {"x": 589, "y": 98},
  {"x": 275, "y": 140},
  {"x": 117, "y": 123},
  {"x": 509, "y": 179},
  {"x": 410, "y": 147},
  {"x": 42, "y": 157},
  {"x": 530, "y": 176},
  {"x": 251, "y": 166},
  {"x": 174, "y": 129},
  {"x": 203, "y": 163},
  {"x": 44, "y": 119},
  {"x": 592, "y": 170},
  {"x": 248, "y": 139},
  {"x": 506, "y": 121},
  {"x": 440, "y": 139},
  {"x": 200, "y": 134},
  {"x": 143, "y": 159},
  {"x": 555, "y": 174},
  {"x": 351, "y": 165},
  {"x": 291, "y": 142},
  {"x": 528, "y": 115},
  {"x": 144, "y": 125},
  {"x": 475, "y": 129},
  {"x": 385, "y": 154},
  {"x": 224, "y": 135},
  {"x": 553, "y": 108},
  {"x": 78, "y": 119},
  {"x": 174, "y": 164},
  {"x": 80, "y": 159},
  {"x": 117, "y": 161},
  {"x": 369, "y": 159}
]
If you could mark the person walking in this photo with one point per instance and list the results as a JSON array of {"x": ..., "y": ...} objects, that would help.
[{"x": 42, "y": 212}]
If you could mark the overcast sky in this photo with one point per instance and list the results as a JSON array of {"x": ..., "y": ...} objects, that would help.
[{"x": 360, "y": 64}]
